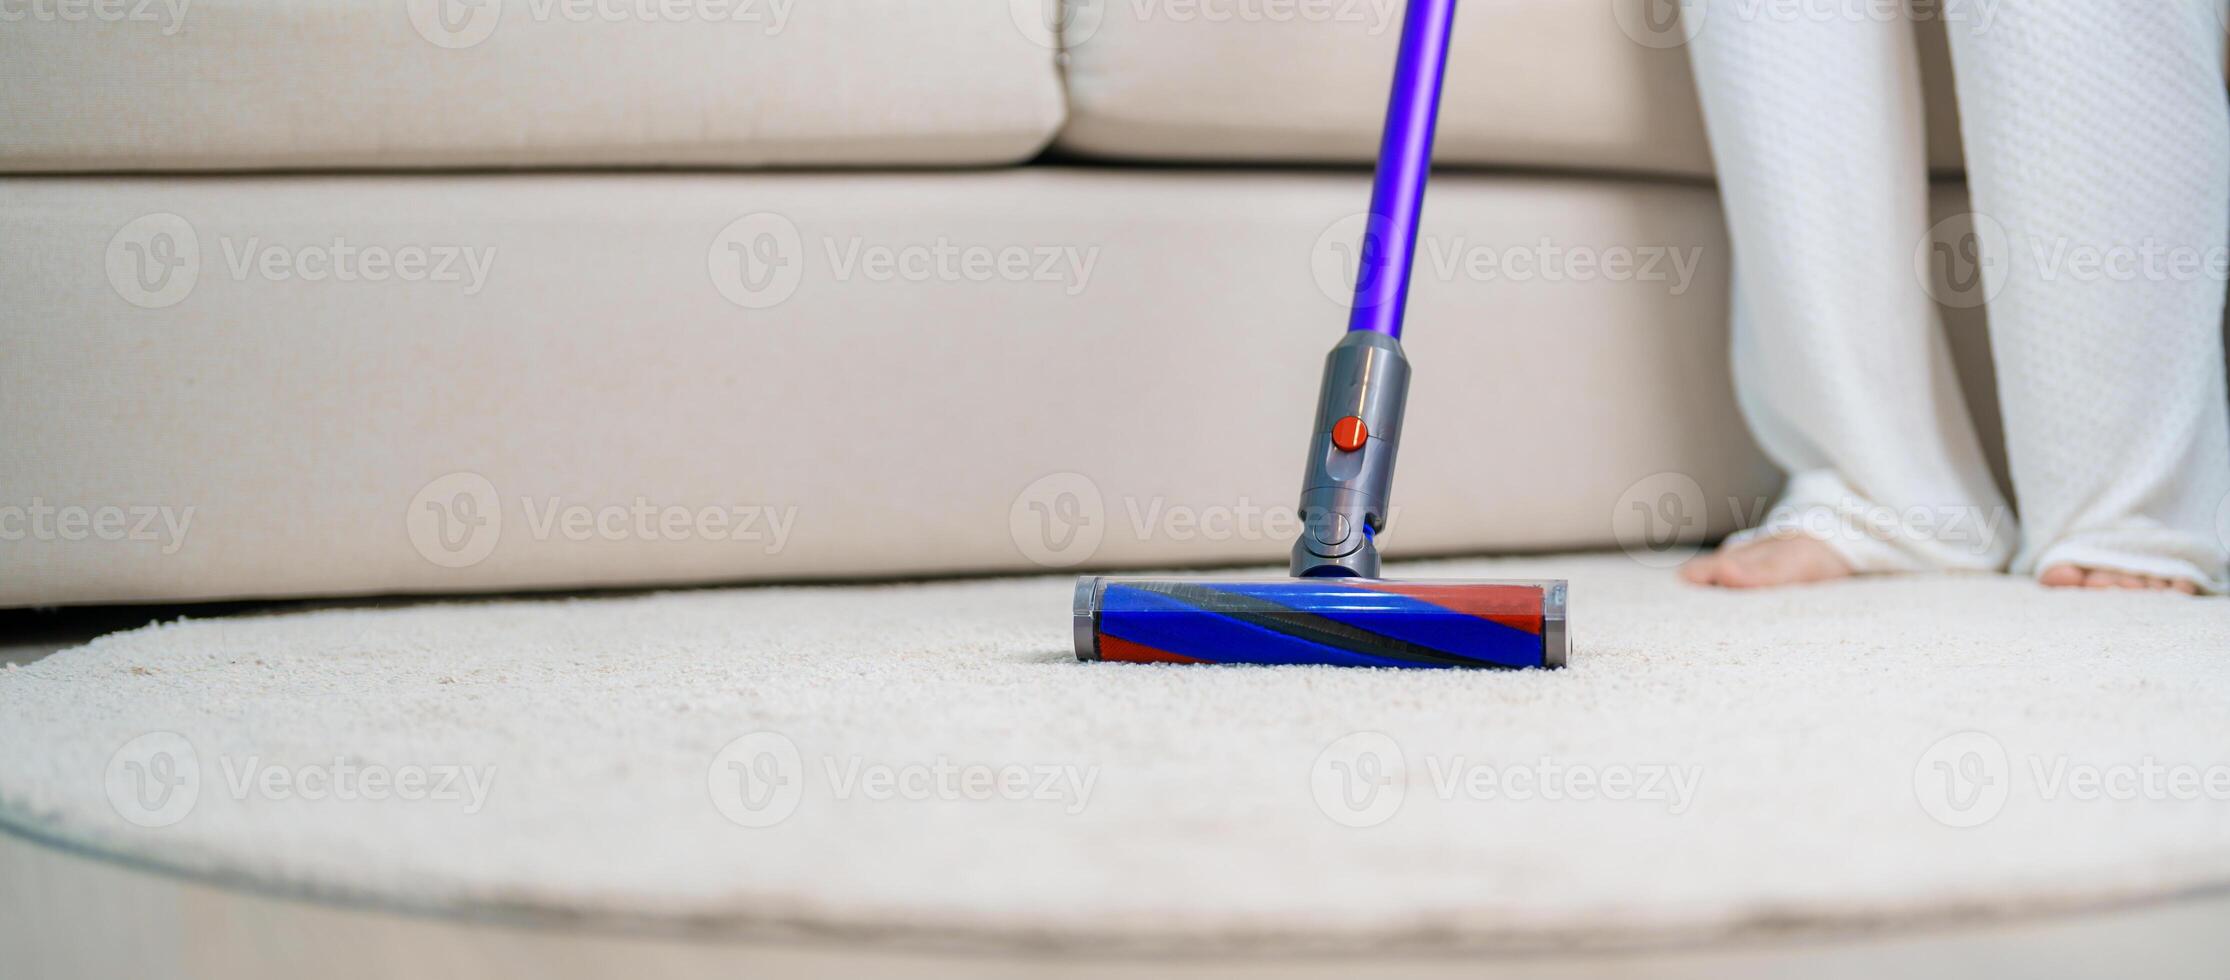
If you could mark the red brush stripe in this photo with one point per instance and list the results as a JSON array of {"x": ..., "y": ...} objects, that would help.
[
  {"x": 1124, "y": 651},
  {"x": 1515, "y": 606}
]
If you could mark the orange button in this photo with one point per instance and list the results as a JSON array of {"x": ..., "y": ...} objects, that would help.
[{"x": 1349, "y": 434}]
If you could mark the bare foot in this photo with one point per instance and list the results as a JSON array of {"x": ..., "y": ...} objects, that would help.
[
  {"x": 2080, "y": 577},
  {"x": 1788, "y": 560}
]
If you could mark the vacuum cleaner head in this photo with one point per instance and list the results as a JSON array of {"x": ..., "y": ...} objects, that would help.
[{"x": 1348, "y": 622}]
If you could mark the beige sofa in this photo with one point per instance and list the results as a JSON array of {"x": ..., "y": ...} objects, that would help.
[{"x": 439, "y": 296}]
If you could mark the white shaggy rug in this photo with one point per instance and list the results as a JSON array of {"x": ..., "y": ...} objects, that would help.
[{"x": 929, "y": 762}]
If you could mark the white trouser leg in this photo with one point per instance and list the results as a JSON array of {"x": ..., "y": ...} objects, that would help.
[
  {"x": 2098, "y": 137},
  {"x": 1840, "y": 360}
]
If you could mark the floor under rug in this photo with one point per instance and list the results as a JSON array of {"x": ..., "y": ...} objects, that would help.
[{"x": 930, "y": 762}]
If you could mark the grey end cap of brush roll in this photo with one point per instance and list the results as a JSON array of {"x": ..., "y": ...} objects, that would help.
[
  {"x": 1556, "y": 633},
  {"x": 1086, "y": 618}
]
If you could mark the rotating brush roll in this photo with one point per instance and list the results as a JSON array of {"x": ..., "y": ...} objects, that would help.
[{"x": 1338, "y": 621}]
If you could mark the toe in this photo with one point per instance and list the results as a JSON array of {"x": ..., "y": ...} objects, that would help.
[
  {"x": 1701, "y": 571},
  {"x": 2076, "y": 576},
  {"x": 1736, "y": 575}
]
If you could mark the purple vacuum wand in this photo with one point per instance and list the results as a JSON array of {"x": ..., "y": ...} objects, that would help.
[
  {"x": 1366, "y": 377},
  {"x": 1389, "y": 246}
]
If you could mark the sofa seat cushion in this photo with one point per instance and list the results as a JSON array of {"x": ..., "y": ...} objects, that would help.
[
  {"x": 315, "y": 385},
  {"x": 275, "y": 84}
]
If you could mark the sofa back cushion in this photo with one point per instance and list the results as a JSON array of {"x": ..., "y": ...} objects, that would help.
[{"x": 275, "y": 84}]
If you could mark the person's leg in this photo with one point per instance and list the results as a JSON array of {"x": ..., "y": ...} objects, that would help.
[
  {"x": 2098, "y": 136},
  {"x": 1840, "y": 360}
]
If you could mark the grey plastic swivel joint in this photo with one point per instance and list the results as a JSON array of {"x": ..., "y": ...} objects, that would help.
[{"x": 1351, "y": 457}]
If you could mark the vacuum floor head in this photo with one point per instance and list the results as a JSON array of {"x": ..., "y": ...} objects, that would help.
[
  {"x": 1347, "y": 622},
  {"x": 1335, "y": 610}
]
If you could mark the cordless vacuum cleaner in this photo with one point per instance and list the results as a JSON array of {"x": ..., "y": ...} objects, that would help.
[{"x": 1335, "y": 610}]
